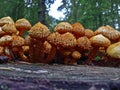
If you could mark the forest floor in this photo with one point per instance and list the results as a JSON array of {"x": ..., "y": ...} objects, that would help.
[{"x": 22, "y": 76}]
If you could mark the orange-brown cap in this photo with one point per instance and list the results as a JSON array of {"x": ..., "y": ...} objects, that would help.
[
  {"x": 78, "y": 30},
  {"x": 89, "y": 33},
  {"x": 114, "y": 50},
  {"x": 100, "y": 41},
  {"x": 23, "y": 24},
  {"x": 76, "y": 55},
  {"x": 9, "y": 28},
  {"x": 54, "y": 38},
  {"x": 68, "y": 40},
  {"x": 63, "y": 27},
  {"x": 83, "y": 43},
  {"x": 39, "y": 31},
  {"x": 6, "y": 20},
  {"x": 17, "y": 41}
]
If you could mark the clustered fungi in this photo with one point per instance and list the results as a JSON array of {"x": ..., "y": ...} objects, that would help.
[{"x": 68, "y": 43}]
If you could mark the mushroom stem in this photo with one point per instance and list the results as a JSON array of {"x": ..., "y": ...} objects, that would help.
[
  {"x": 92, "y": 55},
  {"x": 22, "y": 55},
  {"x": 21, "y": 32},
  {"x": 7, "y": 52},
  {"x": 50, "y": 56}
]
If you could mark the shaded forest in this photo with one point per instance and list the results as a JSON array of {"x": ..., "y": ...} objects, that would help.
[{"x": 90, "y": 13}]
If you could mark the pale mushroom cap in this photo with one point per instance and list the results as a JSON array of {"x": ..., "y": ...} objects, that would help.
[
  {"x": 23, "y": 24},
  {"x": 78, "y": 29},
  {"x": 68, "y": 40},
  {"x": 5, "y": 40},
  {"x": 63, "y": 27},
  {"x": 39, "y": 31},
  {"x": 89, "y": 33},
  {"x": 76, "y": 55},
  {"x": 6, "y": 20},
  {"x": 9, "y": 28},
  {"x": 54, "y": 38},
  {"x": 84, "y": 43},
  {"x": 1, "y": 32},
  {"x": 100, "y": 41},
  {"x": 17, "y": 41},
  {"x": 114, "y": 50}
]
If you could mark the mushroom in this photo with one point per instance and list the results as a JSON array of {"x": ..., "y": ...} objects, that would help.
[
  {"x": 78, "y": 30},
  {"x": 113, "y": 52},
  {"x": 2, "y": 51},
  {"x": 63, "y": 27},
  {"x": 17, "y": 44},
  {"x": 97, "y": 41},
  {"x": 9, "y": 29},
  {"x": 75, "y": 56},
  {"x": 109, "y": 32},
  {"x": 38, "y": 34},
  {"x": 68, "y": 44},
  {"x": 89, "y": 33},
  {"x": 22, "y": 25},
  {"x": 5, "y": 41},
  {"x": 6, "y": 20}
]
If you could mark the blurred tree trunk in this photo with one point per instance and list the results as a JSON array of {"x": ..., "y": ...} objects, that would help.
[{"x": 42, "y": 11}]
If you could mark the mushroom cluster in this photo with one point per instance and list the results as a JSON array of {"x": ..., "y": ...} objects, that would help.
[
  {"x": 68, "y": 44},
  {"x": 11, "y": 42}
]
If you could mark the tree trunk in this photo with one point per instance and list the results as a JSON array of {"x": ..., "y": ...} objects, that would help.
[{"x": 42, "y": 11}]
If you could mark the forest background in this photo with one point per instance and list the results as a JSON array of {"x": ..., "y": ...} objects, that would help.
[{"x": 90, "y": 13}]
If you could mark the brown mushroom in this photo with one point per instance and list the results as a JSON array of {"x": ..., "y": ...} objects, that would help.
[
  {"x": 97, "y": 41},
  {"x": 6, "y": 20},
  {"x": 17, "y": 43},
  {"x": 78, "y": 30},
  {"x": 68, "y": 44},
  {"x": 2, "y": 33},
  {"x": 38, "y": 34},
  {"x": 22, "y": 25},
  {"x": 5, "y": 41},
  {"x": 9, "y": 29},
  {"x": 2, "y": 51},
  {"x": 63, "y": 27}
]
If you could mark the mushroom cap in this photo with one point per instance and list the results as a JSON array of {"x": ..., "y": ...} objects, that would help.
[
  {"x": 108, "y": 32},
  {"x": 17, "y": 41},
  {"x": 39, "y": 31},
  {"x": 68, "y": 40},
  {"x": 9, "y": 28},
  {"x": 63, "y": 27},
  {"x": 54, "y": 38},
  {"x": 89, "y": 33},
  {"x": 114, "y": 50},
  {"x": 23, "y": 24},
  {"x": 6, "y": 20},
  {"x": 5, "y": 40},
  {"x": 100, "y": 41},
  {"x": 25, "y": 49},
  {"x": 78, "y": 29},
  {"x": 1, "y": 32},
  {"x": 76, "y": 55},
  {"x": 83, "y": 43}
]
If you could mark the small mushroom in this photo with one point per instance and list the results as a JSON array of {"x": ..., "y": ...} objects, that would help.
[
  {"x": 22, "y": 25},
  {"x": 63, "y": 27},
  {"x": 97, "y": 41},
  {"x": 6, "y": 20},
  {"x": 17, "y": 43},
  {"x": 5, "y": 41}
]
